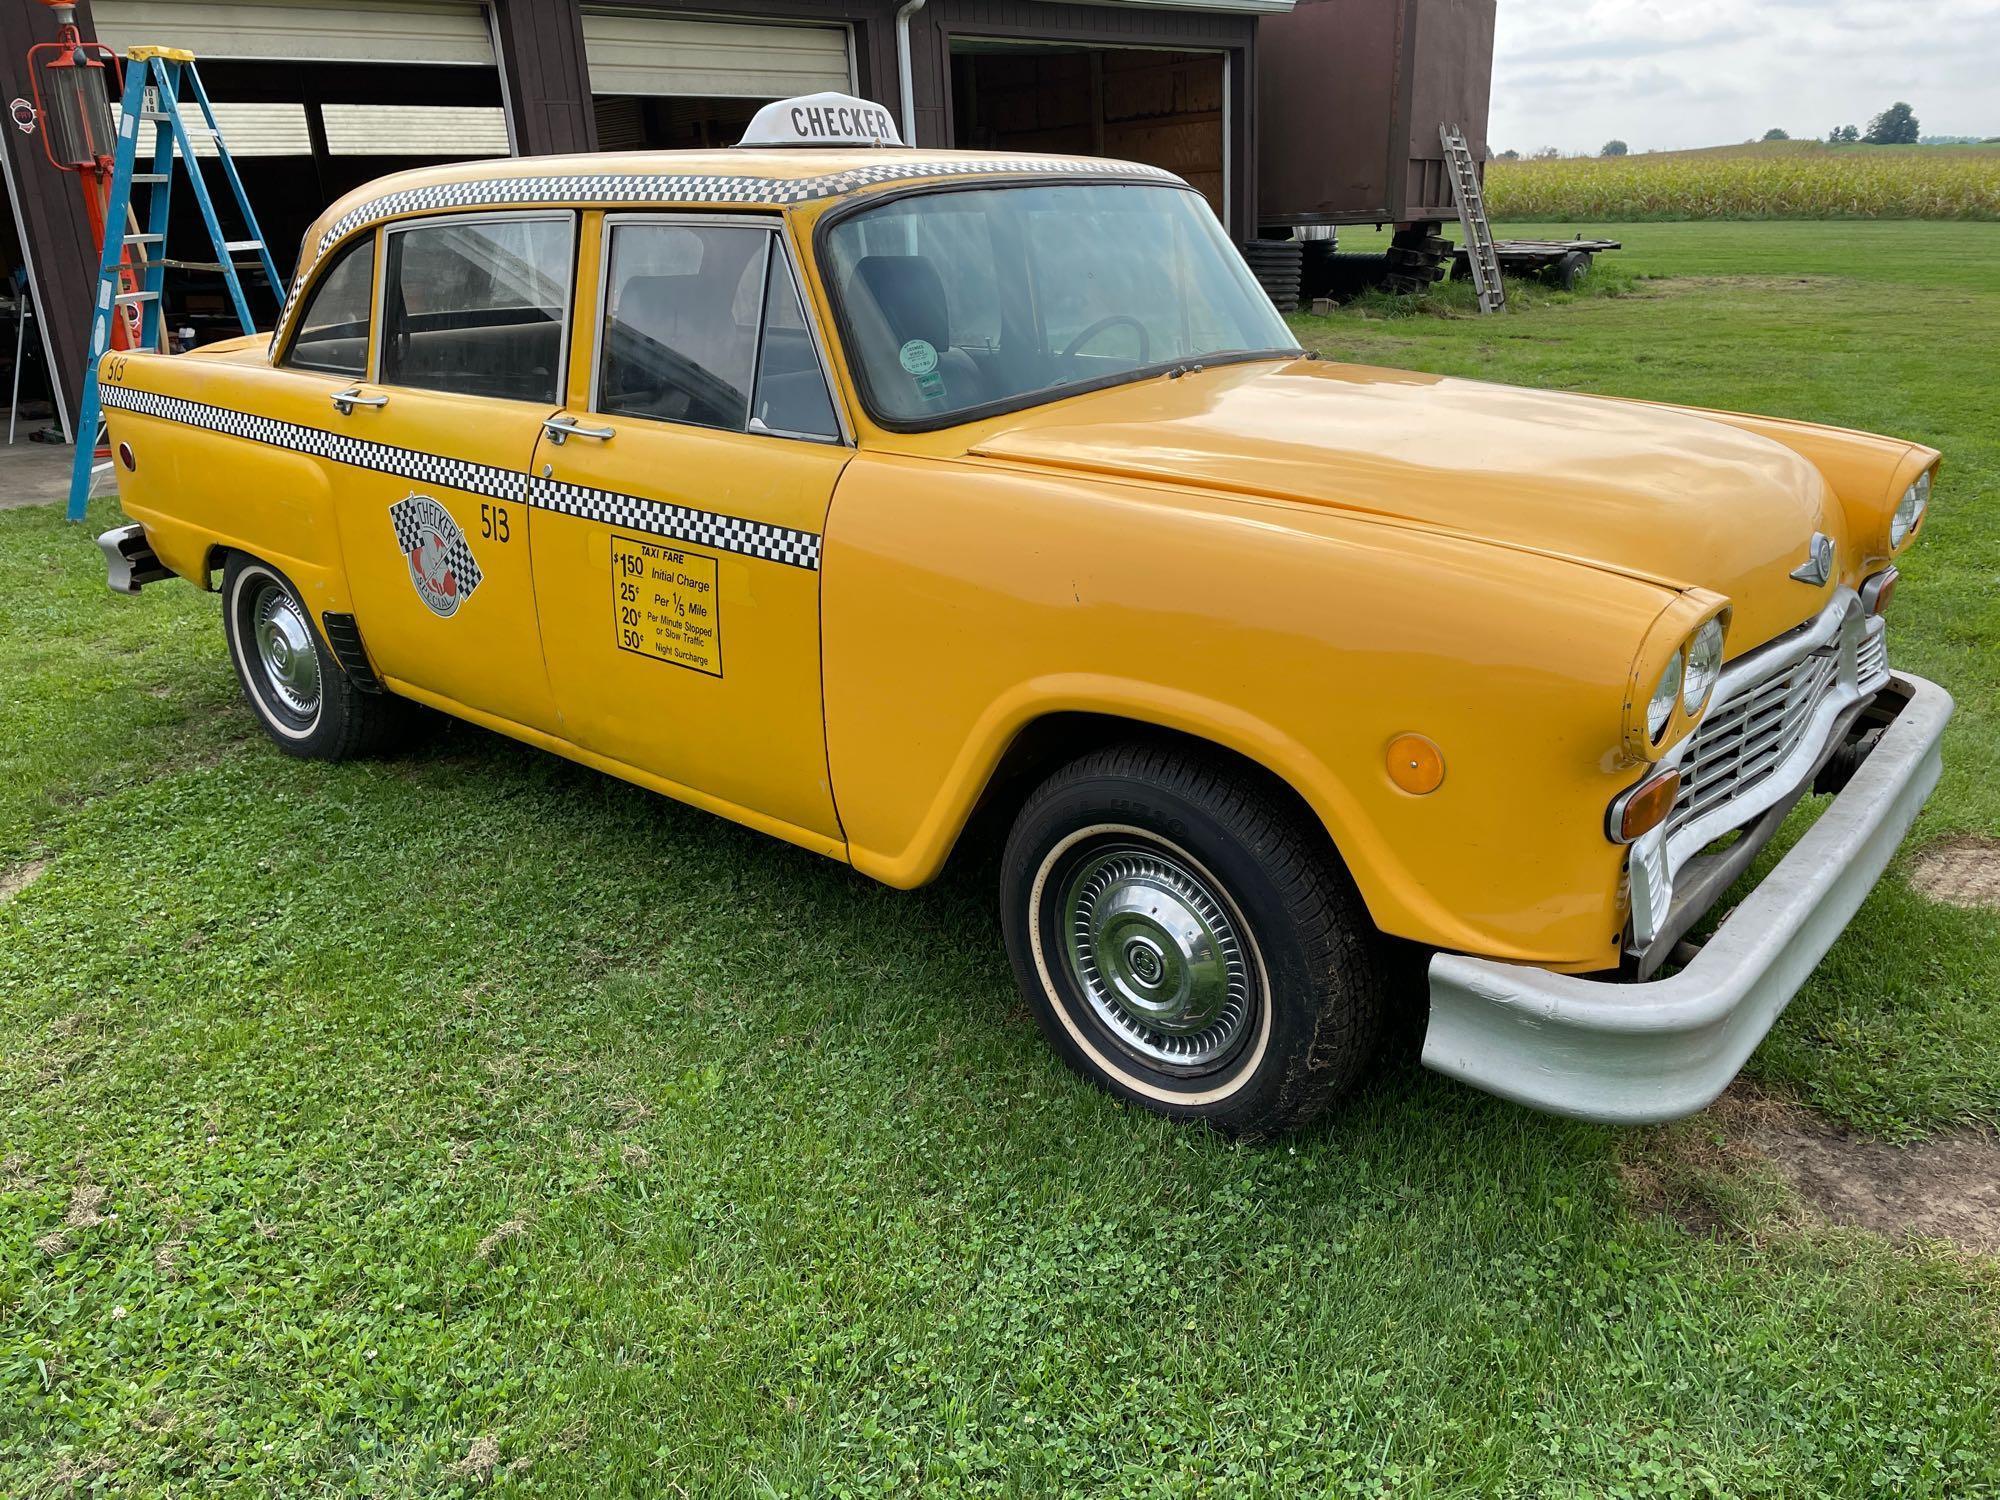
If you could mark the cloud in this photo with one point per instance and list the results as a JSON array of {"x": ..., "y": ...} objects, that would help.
[{"x": 1708, "y": 72}]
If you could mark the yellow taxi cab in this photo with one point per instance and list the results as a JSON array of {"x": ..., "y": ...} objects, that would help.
[{"x": 848, "y": 491}]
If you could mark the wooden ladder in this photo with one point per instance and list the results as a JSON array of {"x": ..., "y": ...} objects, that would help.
[{"x": 1472, "y": 219}]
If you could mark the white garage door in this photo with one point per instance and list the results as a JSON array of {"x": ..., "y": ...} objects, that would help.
[
  {"x": 670, "y": 55},
  {"x": 395, "y": 31}
]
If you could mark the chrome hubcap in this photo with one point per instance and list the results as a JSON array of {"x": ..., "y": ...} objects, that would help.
[
  {"x": 285, "y": 650},
  {"x": 1157, "y": 954}
]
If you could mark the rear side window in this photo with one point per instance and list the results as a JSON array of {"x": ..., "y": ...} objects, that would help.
[
  {"x": 703, "y": 325},
  {"x": 333, "y": 329},
  {"x": 477, "y": 307}
]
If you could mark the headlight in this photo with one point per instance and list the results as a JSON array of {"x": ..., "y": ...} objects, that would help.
[
  {"x": 1704, "y": 665},
  {"x": 1660, "y": 708},
  {"x": 1910, "y": 510}
]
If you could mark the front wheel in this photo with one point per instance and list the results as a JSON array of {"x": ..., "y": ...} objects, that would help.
[
  {"x": 302, "y": 697},
  {"x": 1189, "y": 941}
]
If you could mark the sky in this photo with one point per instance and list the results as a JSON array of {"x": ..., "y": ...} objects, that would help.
[{"x": 1664, "y": 76}]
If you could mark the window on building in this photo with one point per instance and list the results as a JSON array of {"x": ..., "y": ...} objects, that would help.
[
  {"x": 333, "y": 328},
  {"x": 477, "y": 306}
]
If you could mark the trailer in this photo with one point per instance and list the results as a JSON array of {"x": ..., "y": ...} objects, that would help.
[
  {"x": 1558, "y": 262},
  {"x": 1350, "y": 96}
]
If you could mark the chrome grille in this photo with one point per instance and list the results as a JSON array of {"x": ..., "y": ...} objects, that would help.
[
  {"x": 1872, "y": 659},
  {"x": 1742, "y": 741}
]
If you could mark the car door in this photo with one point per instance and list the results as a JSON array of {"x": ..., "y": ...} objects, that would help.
[
  {"x": 679, "y": 505},
  {"x": 431, "y": 456}
]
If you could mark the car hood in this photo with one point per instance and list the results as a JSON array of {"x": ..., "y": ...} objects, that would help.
[{"x": 1651, "y": 491}]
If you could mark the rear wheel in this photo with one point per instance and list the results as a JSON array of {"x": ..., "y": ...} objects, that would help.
[
  {"x": 306, "y": 703},
  {"x": 1189, "y": 941}
]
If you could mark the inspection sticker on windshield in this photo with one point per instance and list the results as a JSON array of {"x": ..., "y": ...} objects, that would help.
[
  {"x": 919, "y": 357},
  {"x": 664, "y": 605}
]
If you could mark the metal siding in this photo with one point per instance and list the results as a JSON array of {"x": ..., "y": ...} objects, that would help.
[
  {"x": 319, "y": 30},
  {"x": 675, "y": 56}
]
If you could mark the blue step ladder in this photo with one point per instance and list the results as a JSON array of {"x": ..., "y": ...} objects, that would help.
[{"x": 154, "y": 78}]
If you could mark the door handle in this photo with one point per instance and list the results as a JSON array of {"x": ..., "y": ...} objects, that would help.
[
  {"x": 561, "y": 429},
  {"x": 345, "y": 401}
]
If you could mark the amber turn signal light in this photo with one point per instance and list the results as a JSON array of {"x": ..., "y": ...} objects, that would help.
[
  {"x": 1876, "y": 590},
  {"x": 1639, "y": 811},
  {"x": 1415, "y": 764}
]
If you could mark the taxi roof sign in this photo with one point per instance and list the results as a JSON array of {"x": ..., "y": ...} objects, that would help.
[{"x": 822, "y": 120}]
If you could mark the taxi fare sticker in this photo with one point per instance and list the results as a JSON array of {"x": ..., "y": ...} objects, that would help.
[
  {"x": 442, "y": 568},
  {"x": 663, "y": 604}
]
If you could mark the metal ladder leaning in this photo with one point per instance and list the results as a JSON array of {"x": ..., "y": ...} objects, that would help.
[
  {"x": 1472, "y": 218},
  {"x": 154, "y": 77}
]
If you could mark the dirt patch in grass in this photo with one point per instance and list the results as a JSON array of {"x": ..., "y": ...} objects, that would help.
[
  {"x": 1690, "y": 286},
  {"x": 1960, "y": 872},
  {"x": 479, "y": 1462},
  {"x": 20, "y": 877},
  {"x": 1753, "y": 1163}
]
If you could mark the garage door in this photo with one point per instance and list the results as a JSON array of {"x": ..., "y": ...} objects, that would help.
[
  {"x": 669, "y": 55},
  {"x": 324, "y": 30}
]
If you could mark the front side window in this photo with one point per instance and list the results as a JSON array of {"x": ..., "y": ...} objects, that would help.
[
  {"x": 995, "y": 298},
  {"x": 477, "y": 307},
  {"x": 703, "y": 325},
  {"x": 333, "y": 328}
]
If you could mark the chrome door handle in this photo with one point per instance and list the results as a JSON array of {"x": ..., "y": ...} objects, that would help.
[
  {"x": 561, "y": 429},
  {"x": 345, "y": 401}
]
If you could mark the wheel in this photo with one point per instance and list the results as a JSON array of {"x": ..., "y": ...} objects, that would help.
[
  {"x": 1570, "y": 269},
  {"x": 305, "y": 702},
  {"x": 1188, "y": 941}
]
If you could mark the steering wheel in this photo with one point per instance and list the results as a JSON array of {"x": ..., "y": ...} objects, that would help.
[{"x": 1103, "y": 325}]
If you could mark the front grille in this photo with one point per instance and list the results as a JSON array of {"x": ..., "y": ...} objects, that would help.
[
  {"x": 1742, "y": 741},
  {"x": 1872, "y": 661}
]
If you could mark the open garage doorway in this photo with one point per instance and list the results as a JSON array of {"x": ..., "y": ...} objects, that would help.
[
  {"x": 1166, "y": 109},
  {"x": 665, "y": 82}
]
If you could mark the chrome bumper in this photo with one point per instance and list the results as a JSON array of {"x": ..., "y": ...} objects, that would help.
[
  {"x": 1639, "y": 1053},
  {"x": 129, "y": 561}
]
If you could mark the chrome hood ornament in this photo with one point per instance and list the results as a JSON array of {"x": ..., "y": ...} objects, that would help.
[{"x": 1818, "y": 566}]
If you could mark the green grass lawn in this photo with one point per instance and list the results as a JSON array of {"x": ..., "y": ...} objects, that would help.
[{"x": 398, "y": 1106}]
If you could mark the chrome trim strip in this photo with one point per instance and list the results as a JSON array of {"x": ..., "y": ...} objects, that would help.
[{"x": 1640, "y": 1053}]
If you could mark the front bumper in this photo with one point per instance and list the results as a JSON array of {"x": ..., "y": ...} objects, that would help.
[{"x": 1639, "y": 1053}]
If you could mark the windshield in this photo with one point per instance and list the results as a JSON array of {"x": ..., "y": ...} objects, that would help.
[{"x": 955, "y": 301}]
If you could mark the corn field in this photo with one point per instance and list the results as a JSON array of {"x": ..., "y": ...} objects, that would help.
[{"x": 1792, "y": 180}]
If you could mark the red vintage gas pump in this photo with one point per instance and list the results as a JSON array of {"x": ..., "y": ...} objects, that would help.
[{"x": 75, "y": 82}]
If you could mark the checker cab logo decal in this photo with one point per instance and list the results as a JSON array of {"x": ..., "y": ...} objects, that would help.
[{"x": 442, "y": 567}]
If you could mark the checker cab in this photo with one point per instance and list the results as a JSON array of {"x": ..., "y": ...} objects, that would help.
[{"x": 860, "y": 494}]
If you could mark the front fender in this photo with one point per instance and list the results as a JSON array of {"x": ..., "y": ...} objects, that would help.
[{"x": 964, "y": 600}]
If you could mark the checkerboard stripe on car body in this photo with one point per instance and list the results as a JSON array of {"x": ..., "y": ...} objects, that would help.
[
  {"x": 700, "y": 528},
  {"x": 601, "y": 190}
]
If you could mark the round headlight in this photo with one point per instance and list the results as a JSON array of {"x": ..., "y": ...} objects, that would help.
[
  {"x": 1660, "y": 710},
  {"x": 1704, "y": 665},
  {"x": 1910, "y": 510}
]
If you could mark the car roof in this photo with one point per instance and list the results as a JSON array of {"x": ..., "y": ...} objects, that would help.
[{"x": 776, "y": 178}]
